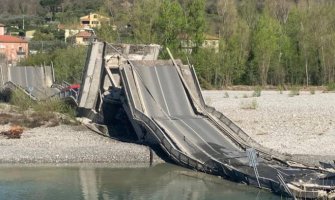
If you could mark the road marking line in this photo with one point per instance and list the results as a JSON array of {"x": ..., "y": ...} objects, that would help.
[
  {"x": 198, "y": 135},
  {"x": 161, "y": 89}
]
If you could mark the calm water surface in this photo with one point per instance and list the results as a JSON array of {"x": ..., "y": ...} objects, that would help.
[{"x": 163, "y": 181}]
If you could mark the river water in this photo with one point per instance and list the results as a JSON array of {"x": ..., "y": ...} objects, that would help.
[{"x": 164, "y": 181}]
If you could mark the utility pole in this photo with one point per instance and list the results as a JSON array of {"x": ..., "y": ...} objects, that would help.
[{"x": 23, "y": 23}]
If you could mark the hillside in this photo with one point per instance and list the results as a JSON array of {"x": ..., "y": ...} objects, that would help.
[{"x": 262, "y": 42}]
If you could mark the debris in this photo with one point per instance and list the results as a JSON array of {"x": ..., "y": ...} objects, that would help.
[{"x": 14, "y": 132}]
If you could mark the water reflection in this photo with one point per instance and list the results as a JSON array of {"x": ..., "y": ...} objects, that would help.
[
  {"x": 88, "y": 183},
  {"x": 160, "y": 182}
]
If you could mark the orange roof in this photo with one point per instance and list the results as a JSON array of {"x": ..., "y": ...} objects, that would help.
[
  {"x": 11, "y": 39},
  {"x": 84, "y": 34}
]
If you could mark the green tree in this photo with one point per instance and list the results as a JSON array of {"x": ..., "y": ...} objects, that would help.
[
  {"x": 206, "y": 63},
  {"x": 69, "y": 63},
  {"x": 234, "y": 53},
  {"x": 51, "y": 5},
  {"x": 144, "y": 16},
  {"x": 107, "y": 33},
  {"x": 170, "y": 24},
  {"x": 43, "y": 35},
  {"x": 195, "y": 22},
  {"x": 293, "y": 67},
  {"x": 265, "y": 45}
]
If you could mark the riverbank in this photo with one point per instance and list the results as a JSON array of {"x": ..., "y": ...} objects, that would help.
[
  {"x": 51, "y": 143},
  {"x": 302, "y": 125},
  {"x": 71, "y": 144}
]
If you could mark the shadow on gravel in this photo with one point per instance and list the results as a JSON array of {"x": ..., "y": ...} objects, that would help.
[{"x": 120, "y": 128}]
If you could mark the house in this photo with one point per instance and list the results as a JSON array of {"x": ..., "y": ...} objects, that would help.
[
  {"x": 69, "y": 30},
  {"x": 83, "y": 37},
  {"x": 210, "y": 42},
  {"x": 13, "y": 48},
  {"x": 93, "y": 20},
  {"x": 2, "y": 29}
]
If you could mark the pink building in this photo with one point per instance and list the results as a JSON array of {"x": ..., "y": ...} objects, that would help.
[{"x": 13, "y": 48}]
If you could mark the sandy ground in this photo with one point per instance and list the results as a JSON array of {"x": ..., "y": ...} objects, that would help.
[{"x": 303, "y": 124}]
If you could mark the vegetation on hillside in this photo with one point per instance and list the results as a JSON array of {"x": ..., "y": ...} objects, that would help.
[
  {"x": 276, "y": 42},
  {"x": 68, "y": 62}
]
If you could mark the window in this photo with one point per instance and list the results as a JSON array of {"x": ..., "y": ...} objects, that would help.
[
  {"x": 20, "y": 49},
  {"x": 95, "y": 16}
]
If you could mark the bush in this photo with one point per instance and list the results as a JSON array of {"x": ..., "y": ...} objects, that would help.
[
  {"x": 249, "y": 105},
  {"x": 46, "y": 108},
  {"x": 21, "y": 100},
  {"x": 49, "y": 113},
  {"x": 312, "y": 91},
  {"x": 68, "y": 62},
  {"x": 295, "y": 91},
  {"x": 280, "y": 89},
  {"x": 331, "y": 86},
  {"x": 257, "y": 91},
  {"x": 226, "y": 95}
]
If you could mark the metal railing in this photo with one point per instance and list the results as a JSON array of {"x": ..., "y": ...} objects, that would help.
[{"x": 14, "y": 86}]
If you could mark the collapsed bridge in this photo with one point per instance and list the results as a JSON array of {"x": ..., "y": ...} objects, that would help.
[
  {"x": 162, "y": 100},
  {"x": 163, "y": 103}
]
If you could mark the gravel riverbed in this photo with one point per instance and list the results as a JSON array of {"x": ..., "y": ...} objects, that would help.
[
  {"x": 302, "y": 125},
  {"x": 70, "y": 144}
]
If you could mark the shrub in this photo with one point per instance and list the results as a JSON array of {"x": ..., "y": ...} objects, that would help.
[
  {"x": 280, "y": 89},
  {"x": 312, "y": 91},
  {"x": 21, "y": 100},
  {"x": 257, "y": 91},
  {"x": 226, "y": 95},
  {"x": 52, "y": 106},
  {"x": 331, "y": 86},
  {"x": 249, "y": 105},
  {"x": 295, "y": 91},
  {"x": 40, "y": 113}
]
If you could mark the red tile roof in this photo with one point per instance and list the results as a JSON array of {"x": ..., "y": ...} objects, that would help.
[{"x": 11, "y": 39}]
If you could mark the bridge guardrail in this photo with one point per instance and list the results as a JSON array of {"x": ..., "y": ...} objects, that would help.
[
  {"x": 11, "y": 85},
  {"x": 242, "y": 135}
]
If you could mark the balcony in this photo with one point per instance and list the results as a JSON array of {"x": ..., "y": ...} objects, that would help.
[{"x": 21, "y": 53}]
